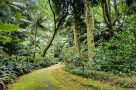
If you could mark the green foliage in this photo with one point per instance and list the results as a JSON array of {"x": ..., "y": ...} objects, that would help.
[
  {"x": 71, "y": 58},
  {"x": 5, "y": 39},
  {"x": 6, "y": 27},
  {"x": 11, "y": 68},
  {"x": 117, "y": 56}
]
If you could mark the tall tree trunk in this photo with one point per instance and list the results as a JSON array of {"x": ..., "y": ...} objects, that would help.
[
  {"x": 107, "y": 16},
  {"x": 89, "y": 26},
  {"x": 74, "y": 27}
]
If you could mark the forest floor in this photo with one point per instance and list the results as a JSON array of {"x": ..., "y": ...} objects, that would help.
[{"x": 55, "y": 78}]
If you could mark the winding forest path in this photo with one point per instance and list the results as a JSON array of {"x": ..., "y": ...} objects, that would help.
[{"x": 55, "y": 78}]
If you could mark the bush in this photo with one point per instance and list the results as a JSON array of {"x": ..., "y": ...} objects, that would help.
[
  {"x": 117, "y": 56},
  {"x": 74, "y": 59},
  {"x": 10, "y": 69}
]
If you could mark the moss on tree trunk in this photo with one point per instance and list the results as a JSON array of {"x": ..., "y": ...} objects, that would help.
[
  {"x": 89, "y": 26},
  {"x": 74, "y": 27}
]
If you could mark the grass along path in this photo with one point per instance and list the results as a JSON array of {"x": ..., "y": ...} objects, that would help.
[{"x": 55, "y": 78}]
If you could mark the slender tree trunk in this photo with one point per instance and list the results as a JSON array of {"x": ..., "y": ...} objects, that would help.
[
  {"x": 74, "y": 27},
  {"x": 89, "y": 26},
  {"x": 107, "y": 16},
  {"x": 116, "y": 16},
  {"x": 50, "y": 42},
  {"x": 57, "y": 24},
  {"x": 116, "y": 8},
  {"x": 35, "y": 37},
  {"x": 1, "y": 53},
  {"x": 134, "y": 32}
]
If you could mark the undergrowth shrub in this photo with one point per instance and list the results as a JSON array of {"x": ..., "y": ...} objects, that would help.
[
  {"x": 70, "y": 57},
  {"x": 10, "y": 69},
  {"x": 74, "y": 59},
  {"x": 117, "y": 56}
]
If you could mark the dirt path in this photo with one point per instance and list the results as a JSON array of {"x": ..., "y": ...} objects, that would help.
[{"x": 55, "y": 78}]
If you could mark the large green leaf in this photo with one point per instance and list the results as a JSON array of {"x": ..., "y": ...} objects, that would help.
[{"x": 6, "y": 27}]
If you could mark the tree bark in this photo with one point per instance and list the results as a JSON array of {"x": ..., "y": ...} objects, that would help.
[
  {"x": 89, "y": 26},
  {"x": 107, "y": 16},
  {"x": 74, "y": 27},
  {"x": 116, "y": 16},
  {"x": 50, "y": 42},
  {"x": 56, "y": 28}
]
